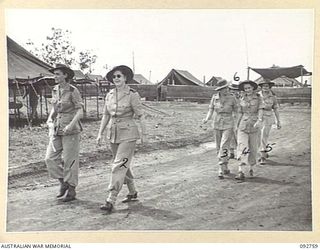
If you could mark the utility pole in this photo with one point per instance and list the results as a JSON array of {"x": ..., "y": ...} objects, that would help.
[
  {"x": 133, "y": 68},
  {"x": 150, "y": 76}
]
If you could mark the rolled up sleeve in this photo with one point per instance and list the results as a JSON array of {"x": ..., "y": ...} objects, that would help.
[{"x": 76, "y": 99}]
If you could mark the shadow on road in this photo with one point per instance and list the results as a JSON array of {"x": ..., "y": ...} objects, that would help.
[
  {"x": 262, "y": 180},
  {"x": 285, "y": 164},
  {"x": 155, "y": 213}
]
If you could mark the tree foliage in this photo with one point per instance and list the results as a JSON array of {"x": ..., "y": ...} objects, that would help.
[
  {"x": 86, "y": 60},
  {"x": 58, "y": 48}
]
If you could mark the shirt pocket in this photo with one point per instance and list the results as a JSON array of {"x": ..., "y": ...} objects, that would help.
[
  {"x": 268, "y": 104},
  {"x": 127, "y": 131}
]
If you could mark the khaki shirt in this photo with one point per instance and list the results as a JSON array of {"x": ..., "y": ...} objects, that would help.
[
  {"x": 122, "y": 107},
  {"x": 270, "y": 104},
  {"x": 66, "y": 103},
  {"x": 223, "y": 109},
  {"x": 249, "y": 110}
]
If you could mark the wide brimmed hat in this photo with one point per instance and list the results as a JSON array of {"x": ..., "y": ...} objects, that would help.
[
  {"x": 63, "y": 68},
  {"x": 221, "y": 84},
  {"x": 266, "y": 81},
  {"x": 252, "y": 83},
  {"x": 234, "y": 86},
  {"x": 124, "y": 69}
]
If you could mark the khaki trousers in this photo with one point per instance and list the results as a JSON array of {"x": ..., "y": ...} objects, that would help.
[
  {"x": 248, "y": 147},
  {"x": 223, "y": 138},
  {"x": 233, "y": 142},
  {"x": 121, "y": 172},
  {"x": 264, "y": 135},
  {"x": 62, "y": 158}
]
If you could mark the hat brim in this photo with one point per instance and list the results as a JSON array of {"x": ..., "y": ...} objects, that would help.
[
  {"x": 221, "y": 87},
  {"x": 270, "y": 83},
  {"x": 127, "y": 71},
  {"x": 233, "y": 88},
  {"x": 69, "y": 71},
  {"x": 252, "y": 83}
]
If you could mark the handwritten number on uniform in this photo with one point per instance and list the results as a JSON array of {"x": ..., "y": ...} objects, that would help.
[
  {"x": 125, "y": 160},
  {"x": 235, "y": 77},
  {"x": 268, "y": 148},
  {"x": 225, "y": 153},
  {"x": 245, "y": 151}
]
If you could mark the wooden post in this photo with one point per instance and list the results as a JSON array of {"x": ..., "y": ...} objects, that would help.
[
  {"x": 301, "y": 71},
  {"x": 97, "y": 86},
  {"x": 40, "y": 104},
  {"x": 14, "y": 107},
  {"x": 85, "y": 101},
  {"x": 46, "y": 104},
  {"x": 248, "y": 73}
]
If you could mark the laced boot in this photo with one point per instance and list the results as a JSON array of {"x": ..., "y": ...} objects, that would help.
[
  {"x": 71, "y": 194},
  {"x": 130, "y": 197},
  {"x": 63, "y": 188},
  {"x": 107, "y": 207}
]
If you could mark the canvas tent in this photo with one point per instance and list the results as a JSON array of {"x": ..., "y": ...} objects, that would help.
[
  {"x": 94, "y": 77},
  {"x": 180, "y": 77},
  {"x": 283, "y": 81},
  {"x": 22, "y": 65},
  {"x": 213, "y": 81},
  {"x": 140, "y": 79},
  {"x": 24, "y": 69},
  {"x": 275, "y": 72}
]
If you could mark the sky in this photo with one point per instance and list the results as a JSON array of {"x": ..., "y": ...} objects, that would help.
[{"x": 206, "y": 42}]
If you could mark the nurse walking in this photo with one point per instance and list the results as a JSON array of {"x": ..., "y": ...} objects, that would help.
[
  {"x": 249, "y": 124},
  {"x": 270, "y": 107},
  {"x": 64, "y": 121},
  {"x": 122, "y": 105},
  {"x": 223, "y": 106}
]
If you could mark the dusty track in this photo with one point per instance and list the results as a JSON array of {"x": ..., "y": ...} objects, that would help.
[{"x": 179, "y": 190}]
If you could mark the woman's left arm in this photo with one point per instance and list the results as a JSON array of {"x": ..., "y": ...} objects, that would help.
[
  {"x": 138, "y": 111},
  {"x": 276, "y": 112}
]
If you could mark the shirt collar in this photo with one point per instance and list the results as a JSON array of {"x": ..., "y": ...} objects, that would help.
[{"x": 126, "y": 90}]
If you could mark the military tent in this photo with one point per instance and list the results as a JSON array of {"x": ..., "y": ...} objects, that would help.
[
  {"x": 22, "y": 65},
  {"x": 140, "y": 79},
  {"x": 180, "y": 77},
  {"x": 276, "y": 71},
  {"x": 213, "y": 81},
  {"x": 283, "y": 81}
]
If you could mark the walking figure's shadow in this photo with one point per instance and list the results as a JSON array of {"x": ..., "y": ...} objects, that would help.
[
  {"x": 262, "y": 180},
  {"x": 155, "y": 213}
]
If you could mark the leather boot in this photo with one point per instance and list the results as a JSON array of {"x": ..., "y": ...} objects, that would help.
[
  {"x": 107, "y": 207},
  {"x": 71, "y": 194},
  {"x": 63, "y": 188},
  {"x": 130, "y": 197}
]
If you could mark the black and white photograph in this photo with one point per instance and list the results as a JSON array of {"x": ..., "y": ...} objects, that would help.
[{"x": 160, "y": 120}]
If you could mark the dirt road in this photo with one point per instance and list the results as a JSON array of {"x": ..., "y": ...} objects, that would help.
[{"x": 179, "y": 190}]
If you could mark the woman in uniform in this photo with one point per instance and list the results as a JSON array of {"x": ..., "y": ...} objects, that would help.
[
  {"x": 248, "y": 125},
  {"x": 122, "y": 104},
  {"x": 270, "y": 106},
  {"x": 64, "y": 131},
  {"x": 223, "y": 105}
]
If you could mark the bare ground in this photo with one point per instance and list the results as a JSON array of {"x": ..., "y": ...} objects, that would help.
[{"x": 178, "y": 185}]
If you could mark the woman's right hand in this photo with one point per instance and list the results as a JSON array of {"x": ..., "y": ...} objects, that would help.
[
  {"x": 49, "y": 122},
  {"x": 204, "y": 121},
  {"x": 98, "y": 140}
]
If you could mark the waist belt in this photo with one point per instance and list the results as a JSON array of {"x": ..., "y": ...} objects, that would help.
[{"x": 121, "y": 119}]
